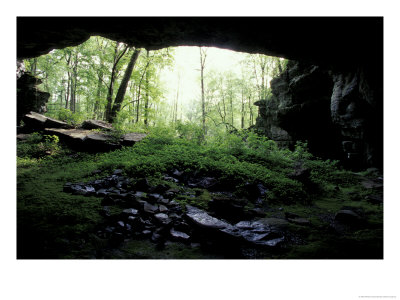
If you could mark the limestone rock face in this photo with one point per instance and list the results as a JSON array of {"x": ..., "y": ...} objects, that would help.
[
  {"x": 338, "y": 113},
  {"x": 29, "y": 97}
]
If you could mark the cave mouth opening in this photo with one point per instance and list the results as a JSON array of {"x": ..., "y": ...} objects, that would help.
[{"x": 166, "y": 86}]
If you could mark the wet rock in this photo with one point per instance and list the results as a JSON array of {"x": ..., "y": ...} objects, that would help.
[
  {"x": 149, "y": 208},
  {"x": 118, "y": 172},
  {"x": 172, "y": 179},
  {"x": 79, "y": 189},
  {"x": 162, "y": 218},
  {"x": 162, "y": 208},
  {"x": 177, "y": 174},
  {"x": 156, "y": 237},
  {"x": 146, "y": 233},
  {"x": 153, "y": 198},
  {"x": 130, "y": 212},
  {"x": 120, "y": 225},
  {"x": 102, "y": 192},
  {"x": 179, "y": 236},
  {"x": 203, "y": 219}
]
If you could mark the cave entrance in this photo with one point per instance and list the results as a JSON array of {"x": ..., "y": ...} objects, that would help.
[{"x": 203, "y": 86}]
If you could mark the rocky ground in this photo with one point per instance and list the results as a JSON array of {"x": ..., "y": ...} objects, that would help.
[{"x": 189, "y": 216}]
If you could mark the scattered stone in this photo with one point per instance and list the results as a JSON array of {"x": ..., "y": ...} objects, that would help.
[
  {"x": 152, "y": 198},
  {"x": 162, "y": 208},
  {"x": 202, "y": 219},
  {"x": 130, "y": 212},
  {"x": 177, "y": 174},
  {"x": 121, "y": 224},
  {"x": 102, "y": 192},
  {"x": 179, "y": 236},
  {"x": 149, "y": 208},
  {"x": 162, "y": 218},
  {"x": 146, "y": 232},
  {"x": 156, "y": 237},
  {"x": 172, "y": 179},
  {"x": 118, "y": 172}
]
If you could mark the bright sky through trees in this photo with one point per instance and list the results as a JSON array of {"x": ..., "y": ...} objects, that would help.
[{"x": 187, "y": 64}]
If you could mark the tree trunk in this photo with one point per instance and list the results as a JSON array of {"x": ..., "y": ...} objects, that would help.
[
  {"x": 146, "y": 97},
  {"x": 203, "y": 106},
  {"x": 98, "y": 94},
  {"x": 122, "y": 88},
  {"x": 110, "y": 91}
]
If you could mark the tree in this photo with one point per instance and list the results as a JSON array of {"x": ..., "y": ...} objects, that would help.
[
  {"x": 122, "y": 88},
  {"x": 119, "y": 52},
  {"x": 203, "y": 56}
]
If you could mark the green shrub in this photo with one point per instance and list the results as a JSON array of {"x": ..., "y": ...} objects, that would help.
[{"x": 37, "y": 146}]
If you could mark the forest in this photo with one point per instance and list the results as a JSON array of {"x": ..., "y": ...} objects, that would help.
[
  {"x": 201, "y": 181},
  {"x": 106, "y": 80}
]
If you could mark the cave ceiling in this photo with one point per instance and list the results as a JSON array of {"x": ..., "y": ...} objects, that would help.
[{"x": 333, "y": 41}]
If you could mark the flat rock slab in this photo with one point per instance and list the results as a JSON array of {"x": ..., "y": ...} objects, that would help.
[
  {"x": 96, "y": 124},
  {"x": 202, "y": 219},
  {"x": 69, "y": 134},
  {"x": 38, "y": 121},
  {"x": 88, "y": 140}
]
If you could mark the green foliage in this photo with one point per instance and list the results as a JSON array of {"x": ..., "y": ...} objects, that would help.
[
  {"x": 66, "y": 115},
  {"x": 38, "y": 146}
]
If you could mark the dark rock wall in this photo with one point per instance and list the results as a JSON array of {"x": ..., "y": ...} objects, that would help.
[
  {"x": 29, "y": 97},
  {"x": 340, "y": 114}
]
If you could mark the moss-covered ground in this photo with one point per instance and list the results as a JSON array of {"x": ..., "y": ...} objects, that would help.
[{"x": 55, "y": 224}]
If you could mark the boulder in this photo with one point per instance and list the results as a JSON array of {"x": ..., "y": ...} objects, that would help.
[
  {"x": 179, "y": 236},
  {"x": 162, "y": 218},
  {"x": 149, "y": 208},
  {"x": 202, "y": 219}
]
